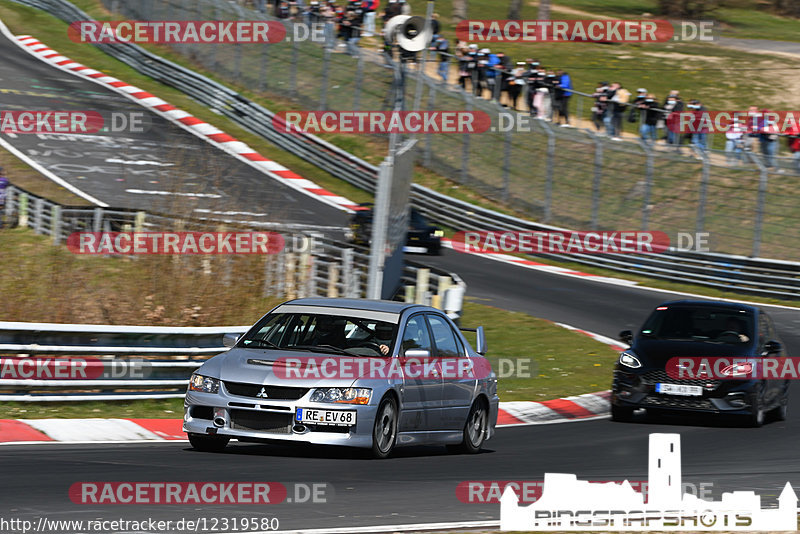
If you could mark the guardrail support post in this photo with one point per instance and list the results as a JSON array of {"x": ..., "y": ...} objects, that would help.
[
  {"x": 138, "y": 221},
  {"x": 38, "y": 213},
  {"x": 598, "y": 174},
  {"x": 423, "y": 276},
  {"x": 11, "y": 192},
  {"x": 409, "y": 294},
  {"x": 291, "y": 289},
  {"x": 23, "y": 210},
  {"x": 701, "y": 203},
  {"x": 648, "y": 184},
  {"x": 333, "y": 280},
  {"x": 97, "y": 223},
  {"x": 348, "y": 275},
  {"x": 55, "y": 223}
]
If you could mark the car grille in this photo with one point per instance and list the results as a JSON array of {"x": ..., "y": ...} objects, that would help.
[
  {"x": 275, "y": 423},
  {"x": 653, "y": 377},
  {"x": 689, "y": 403},
  {"x": 272, "y": 392}
]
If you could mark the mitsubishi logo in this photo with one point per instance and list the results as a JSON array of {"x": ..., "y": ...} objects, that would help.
[{"x": 262, "y": 394}]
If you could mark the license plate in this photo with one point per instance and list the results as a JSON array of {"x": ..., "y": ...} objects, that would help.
[
  {"x": 326, "y": 417},
  {"x": 679, "y": 389}
]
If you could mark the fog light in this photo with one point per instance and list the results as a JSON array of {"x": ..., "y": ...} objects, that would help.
[{"x": 220, "y": 417}]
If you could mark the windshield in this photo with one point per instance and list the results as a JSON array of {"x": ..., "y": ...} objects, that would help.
[
  {"x": 720, "y": 325},
  {"x": 333, "y": 334}
]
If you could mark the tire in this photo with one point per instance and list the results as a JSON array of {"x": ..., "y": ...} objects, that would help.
[
  {"x": 384, "y": 431},
  {"x": 780, "y": 412},
  {"x": 756, "y": 416},
  {"x": 621, "y": 414},
  {"x": 208, "y": 443},
  {"x": 475, "y": 429}
]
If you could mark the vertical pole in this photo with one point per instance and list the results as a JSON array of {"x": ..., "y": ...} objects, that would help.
[
  {"x": 23, "y": 210},
  {"x": 333, "y": 280},
  {"x": 648, "y": 185},
  {"x": 323, "y": 94},
  {"x": 507, "y": 141},
  {"x": 762, "y": 197},
  {"x": 55, "y": 223},
  {"x": 598, "y": 173},
  {"x": 359, "y": 81},
  {"x": 550, "y": 166},
  {"x": 701, "y": 203},
  {"x": 465, "y": 147},
  {"x": 423, "y": 276}
]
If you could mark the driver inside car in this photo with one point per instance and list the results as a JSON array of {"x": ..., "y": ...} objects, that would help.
[
  {"x": 737, "y": 325},
  {"x": 383, "y": 336}
]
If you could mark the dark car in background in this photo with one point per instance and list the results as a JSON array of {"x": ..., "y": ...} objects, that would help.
[
  {"x": 423, "y": 237},
  {"x": 699, "y": 329}
]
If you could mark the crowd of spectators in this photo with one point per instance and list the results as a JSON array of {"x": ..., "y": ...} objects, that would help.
[{"x": 544, "y": 93}]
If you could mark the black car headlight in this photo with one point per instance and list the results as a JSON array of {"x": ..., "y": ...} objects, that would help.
[
  {"x": 342, "y": 395},
  {"x": 628, "y": 359},
  {"x": 204, "y": 384}
]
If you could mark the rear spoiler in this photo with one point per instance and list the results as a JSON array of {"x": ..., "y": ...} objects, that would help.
[{"x": 481, "y": 339}]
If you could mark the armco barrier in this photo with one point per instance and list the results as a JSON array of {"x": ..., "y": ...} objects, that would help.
[{"x": 737, "y": 273}]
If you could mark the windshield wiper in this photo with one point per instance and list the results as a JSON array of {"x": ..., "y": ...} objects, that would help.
[
  {"x": 322, "y": 348},
  {"x": 269, "y": 344}
]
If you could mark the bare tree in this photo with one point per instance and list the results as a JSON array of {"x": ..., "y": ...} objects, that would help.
[
  {"x": 515, "y": 10},
  {"x": 544, "y": 9},
  {"x": 459, "y": 10}
]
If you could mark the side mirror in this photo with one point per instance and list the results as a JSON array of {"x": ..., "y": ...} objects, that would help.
[
  {"x": 626, "y": 336},
  {"x": 481, "y": 341},
  {"x": 229, "y": 340},
  {"x": 771, "y": 347},
  {"x": 417, "y": 353}
]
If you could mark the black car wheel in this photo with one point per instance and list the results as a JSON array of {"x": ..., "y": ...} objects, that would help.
[
  {"x": 621, "y": 414},
  {"x": 208, "y": 443},
  {"x": 756, "y": 416},
  {"x": 475, "y": 429},
  {"x": 384, "y": 431}
]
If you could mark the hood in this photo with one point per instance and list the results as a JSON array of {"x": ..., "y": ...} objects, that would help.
[{"x": 256, "y": 366}]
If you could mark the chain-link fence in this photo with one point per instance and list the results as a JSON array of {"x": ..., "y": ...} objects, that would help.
[{"x": 567, "y": 177}]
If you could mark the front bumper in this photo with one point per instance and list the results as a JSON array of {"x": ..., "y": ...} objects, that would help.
[
  {"x": 637, "y": 390},
  {"x": 271, "y": 419}
]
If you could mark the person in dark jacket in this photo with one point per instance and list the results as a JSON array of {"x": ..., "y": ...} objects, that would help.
[{"x": 650, "y": 113}]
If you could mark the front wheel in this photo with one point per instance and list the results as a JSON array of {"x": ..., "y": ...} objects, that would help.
[
  {"x": 384, "y": 431},
  {"x": 756, "y": 416},
  {"x": 475, "y": 429},
  {"x": 208, "y": 443}
]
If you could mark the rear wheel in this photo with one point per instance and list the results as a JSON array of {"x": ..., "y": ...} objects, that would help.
[
  {"x": 621, "y": 413},
  {"x": 208, "y": 443},
  {"x": 475, "y": 429},
  {"x": 384, "y": 431}
]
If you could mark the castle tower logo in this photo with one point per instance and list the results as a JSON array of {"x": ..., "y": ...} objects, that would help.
[{"x": 571, "y": 504}]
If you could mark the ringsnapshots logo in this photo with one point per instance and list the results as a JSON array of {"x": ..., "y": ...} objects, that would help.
[
  {"x": 583, "y": 31},
  {"x": 382, "y": 122},
  {"x": 567, "y": 503}
]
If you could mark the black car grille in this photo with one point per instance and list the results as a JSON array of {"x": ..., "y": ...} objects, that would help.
[
  {"x": 689, "y": 403},
  {"x": 659, "y": 375},
  {"x": 275, "y": 423},
  {"x": 272, "y": 392}
]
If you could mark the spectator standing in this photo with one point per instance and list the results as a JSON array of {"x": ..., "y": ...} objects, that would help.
[
  {"x": 515, "y": 83},
  {"x": 768, "y": 136},
  {"x": 734, "y": 143},
  {"x": 369, "y": 7},
  {"x": 441, "y": 47},
  {"x": 392, "y": 10},
  {"x": 699, "y": 136},
  {"x": 793, "y": 140},
  {"x": 564, "y": 93},
  {"x": 608, "y": 116},
  {"x": 492, "y": 75},
  {"x": 620, "y": 101},
  {"x": 600, "y": 105},
  {"x": 650, "y": 114},
  {"x": 673, "y": 106}
]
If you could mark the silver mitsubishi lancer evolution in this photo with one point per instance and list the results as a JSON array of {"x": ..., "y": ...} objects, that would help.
[{"x": 360, "y": 373}]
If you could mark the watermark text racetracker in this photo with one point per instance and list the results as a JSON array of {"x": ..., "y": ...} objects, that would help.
[
  {"x": 382, "y": 122},
  {"x": 59, "y": 368},
  {"x": 583, "y": 31},
  {"x": 73, "y": 122}
]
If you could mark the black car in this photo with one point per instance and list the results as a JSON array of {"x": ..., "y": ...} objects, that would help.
[
  {"x": 423, "y": 237},
  {"x": 699, "y": 329}
]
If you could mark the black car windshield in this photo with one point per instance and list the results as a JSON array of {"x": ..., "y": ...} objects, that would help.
[
  {"x": 718, "y": 325},
  {"x": 332, "y": 334}
]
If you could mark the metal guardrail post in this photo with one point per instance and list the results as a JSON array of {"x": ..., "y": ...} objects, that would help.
[
  {"x": 323, "y": 90},
  {"x": 38, "y": 215},
  {"x": 11, "y": 200},
  {"x": 55, "y": 223},
  {"x": 598, "y": 174},
  {"x": 701, "y": 202},
  {"x": 97, "y": 220},
  {"x": 648, "y": 183},
  {"x": 465, "y": 147},
  {"x": 349, "y": 283},
  {"x": 23, "y": 210},
  {"x": 423, "y": 276},
  {"x": 549, "y": 168},
  {"x": 762, "y": 197},
  {"x": 293, "y": 69},
  {"x": 359, "y": 81}
]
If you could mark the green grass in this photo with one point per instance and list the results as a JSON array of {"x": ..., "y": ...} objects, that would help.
[{"x": 140, "y": 409}]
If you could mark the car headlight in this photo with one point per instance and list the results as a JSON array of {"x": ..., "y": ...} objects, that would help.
[
  {"x": 629, "y": 360},
  {"x": 342, "y": 395},
  {"x": 204, "y": 384},
  {"x": 438, "y": 233}
]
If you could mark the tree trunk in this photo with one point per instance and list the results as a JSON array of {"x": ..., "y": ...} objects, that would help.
[
  {"x": 515, "y": 10},
  {"x": 544, "y": 9},
  {"x": 459, "y": 10}
]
